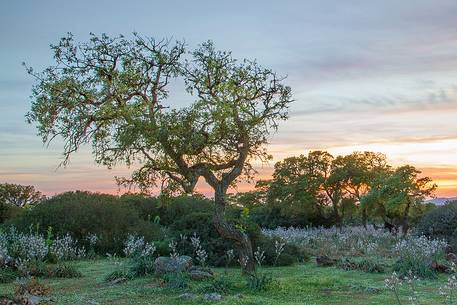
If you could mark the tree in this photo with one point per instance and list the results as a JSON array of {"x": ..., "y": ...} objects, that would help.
[
  {"x": 308, "y": 183},
  {"x": 114, "y": 92},
  {"x": 17, "y": 195},
  {"x": 396, "y": 192},
  {"x": 359, "y": 170}
]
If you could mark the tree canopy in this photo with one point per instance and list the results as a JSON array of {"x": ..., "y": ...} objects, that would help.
[{"x": 113, "y": 93}]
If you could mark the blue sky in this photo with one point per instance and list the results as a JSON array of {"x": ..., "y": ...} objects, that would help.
[{"x": 366, "y": 75}]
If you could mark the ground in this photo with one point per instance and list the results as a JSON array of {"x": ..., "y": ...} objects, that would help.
[{"x": 304, "y": 284}]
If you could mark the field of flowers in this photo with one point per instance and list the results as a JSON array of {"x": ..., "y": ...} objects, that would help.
[{"x": 369, "y": 265}]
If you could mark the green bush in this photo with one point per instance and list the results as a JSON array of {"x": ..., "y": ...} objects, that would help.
[
  {"x": 220, "y": 284},
  {"x": 258, "y": 281},
  {"x": 364, "y": 264},
  {"x": 291, "y": 254},
  {"x": 441, "y": 223},
  {"x": 9, "y": 211},
  {"x": 63, "y": 270},
  {"x": 84, "y": 213},
  {"x": 176, "y": 280},
  {"x": 8, "y": 276},
  {"x": 141, "y": 266}
]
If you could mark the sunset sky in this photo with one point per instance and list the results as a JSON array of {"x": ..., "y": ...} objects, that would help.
[{"x": 366, "y": 75}]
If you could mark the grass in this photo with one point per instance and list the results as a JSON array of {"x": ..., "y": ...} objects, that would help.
[{"x": 302, "y": 284}]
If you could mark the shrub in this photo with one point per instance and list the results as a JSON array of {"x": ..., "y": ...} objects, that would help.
[
  {"x": 28, "y": 253},
  {"x": 81, "y": 214},
  {"x": 347, "y": 241},
  {"x": 365, "y": 265},
  {"x": 141, "y": 255},
  {"x": 66, "y": 248},
  {"x": 8, "y": 276},
  {"x": 258, "y": 281},
  {"x": 62, "y": 270},
  {"x": 176, "y": 280},
  {"x": 221, "y": 284},
  {"x": 441, "y": 223},
  {"x": 416, "y": 254},
  {"x": 291, "y": 253},
  {"x": 200, "y": 223}
]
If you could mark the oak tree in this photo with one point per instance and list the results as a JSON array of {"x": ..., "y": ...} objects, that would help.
[{"x": 113, "y": 93}]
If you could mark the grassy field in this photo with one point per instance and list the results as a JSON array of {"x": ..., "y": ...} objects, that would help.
[{"x": 301, "y": 284}]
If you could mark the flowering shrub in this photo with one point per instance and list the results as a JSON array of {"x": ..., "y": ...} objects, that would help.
[
  {"x": 200, "y": 253},
  {"x": 395, "y": 282},
  {"x": 347, "y": 241},
  {"x": 18, "y": 249},
  {"x": 66, "y": 248},
  {"x": 141, "y": 255},
  {"x": 416, "y": 254},
  {"x": 25, "y": 252}
]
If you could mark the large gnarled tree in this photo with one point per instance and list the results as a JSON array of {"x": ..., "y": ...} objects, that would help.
[{"x": 113, "y": 94}]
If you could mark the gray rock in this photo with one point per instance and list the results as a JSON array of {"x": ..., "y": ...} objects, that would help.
[
  {"x": 213, "y": 297},
  {"x": 199, "y": 273},
  {"x": 165, "y": 264}
]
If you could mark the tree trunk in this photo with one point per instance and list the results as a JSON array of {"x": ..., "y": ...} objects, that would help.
[
  {"x": 404, "y": 220},
  {"x": 364, "y": 217},
  {"x": 338, "y": 219},
  {"x": 228, "y": 231}
]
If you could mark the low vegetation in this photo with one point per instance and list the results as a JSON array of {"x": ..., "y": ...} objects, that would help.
[{"x": 169, "y": 253}]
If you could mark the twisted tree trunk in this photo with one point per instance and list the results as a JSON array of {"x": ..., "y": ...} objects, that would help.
[{"x": 228, "y": 231}]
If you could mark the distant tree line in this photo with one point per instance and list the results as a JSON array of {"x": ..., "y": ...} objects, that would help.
[
  {"x": 317, "y": 189},
  {"x": 321, "y": 189}
]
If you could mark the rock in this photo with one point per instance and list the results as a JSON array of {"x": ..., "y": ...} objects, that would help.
[
  {"x": 213, "y": 297},
  {"x": 324, "y": 260},
  {"x": 165, "y": 264},
  {"x": 187, "y": 296},
  {"x": 199, "y": 273}
]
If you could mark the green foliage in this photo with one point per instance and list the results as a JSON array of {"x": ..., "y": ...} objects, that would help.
[
  {"x": 396, "y": 193},
  {"x": 258, "y": 281},
  {"x": 8, "y": 275},
  {"x": 83, "y": 213},
  {"x": 441, "y": 223},
  {"x": 219, "y": 284},
  {"x": 141, "y": 265},
  {"x": 417, "y": 267},
  {"x": 369, "y": 265},
  {"x": 176, "y": 280},
  {"x": 14, "y": 197},
  {"x": 120, "y": 274},
  {"x": 292, "y": 254},
  {"x": 9, "y": 211},
  {"x": 63, "y": 270}
]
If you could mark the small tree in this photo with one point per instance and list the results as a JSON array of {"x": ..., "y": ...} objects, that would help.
[
  {"x": 359, "y": 170},
  {"x": 395, "y": 193},
  {"x": 113, "y": 93},
  {"x": 17, "y": 195}
]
